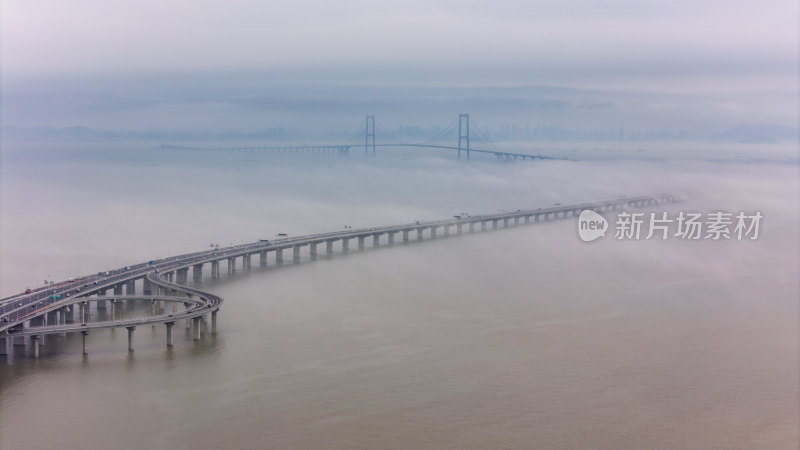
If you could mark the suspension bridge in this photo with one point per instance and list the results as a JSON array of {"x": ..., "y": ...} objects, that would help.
[{"x": 454, "y": 137}]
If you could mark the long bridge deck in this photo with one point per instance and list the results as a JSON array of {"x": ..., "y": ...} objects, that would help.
[
  {"x": 51, "y": 309},
  {"x": 343, "y": 150}
]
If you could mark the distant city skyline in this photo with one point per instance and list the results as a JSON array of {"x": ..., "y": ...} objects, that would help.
[{"x": 701, "y": 66}]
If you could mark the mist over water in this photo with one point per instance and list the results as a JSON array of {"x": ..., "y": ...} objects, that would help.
[{"x": 517, "y": 338}]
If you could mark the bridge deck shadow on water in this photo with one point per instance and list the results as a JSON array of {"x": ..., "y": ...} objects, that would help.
[{"x": 70, "y": 306}]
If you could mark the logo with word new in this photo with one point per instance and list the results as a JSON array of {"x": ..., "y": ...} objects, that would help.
[{"x": 591, "y": 225}]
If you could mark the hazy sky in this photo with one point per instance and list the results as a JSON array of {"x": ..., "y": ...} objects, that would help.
[{"x": 731, "y": 55}]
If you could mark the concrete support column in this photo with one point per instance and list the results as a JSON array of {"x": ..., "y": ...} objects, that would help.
[
  {"x": 527, "y": 219},
  {"x": 246, "y": 261},
  {"x": 67, "y": 314},
  {"x": 214, "y": 321},
  {"x": 376, "y": 240},
  {"x": 447, "y": 230},
  {"x": 405, "y": 236},
  {"x": 84, "y": 333},
  {"x": 483, "y": 225},
  {"x": 231, "y": 265},
  {"x": 196, "y": 328},
  {"x": 458, "y": 228},
  {"x": 419, "y": 234},
  {"x": 312, "y": 249},
  {"x": 214, "y": 269},
  {"x": 147, "y": 287},
  {"x": 262, "y": 258},
  {"x": 113, "y": 309},
  {"x": 36, "y": 345},
  {"x": 295, "y": 254},
  {"x": 197, "y": 273},
  {"x": 494, "y": 223},
  {"x": 118, "y": 289},
  {"x": 390, "y": 237},
  {"x": 329, "y": 247},
  {"x": 433, "y": 232},
  {"x": 279, "y": 256},
  {"x": 169, "y": 333},
  {"x": 345, "y": 245},
  {"x": 472, "y": 227},
  {"x": 183, "y": 276},
  {"x": 100, "y": 304},
  {"x": 130, "y": 287},
  {"x": 361, "y": 242},
  {"x": 130, "y": 338},
  {"x": 516, "y": 220}
]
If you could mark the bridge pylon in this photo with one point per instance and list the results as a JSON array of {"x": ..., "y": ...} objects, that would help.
[
  {"x": 369, "y": 138},
  {"x": 463, "y": 134}
]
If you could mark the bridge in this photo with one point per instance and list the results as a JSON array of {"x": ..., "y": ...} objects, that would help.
[
  {"x": 27, "y": 318},
  {"x": 370, "y": 145}
]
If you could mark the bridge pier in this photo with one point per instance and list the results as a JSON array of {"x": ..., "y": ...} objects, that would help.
[
  {"x": 279, "y": 256},
  {"x": 361, "y": 242},
  {"x": 67, "y": 315},
  {"x": 419, "y": 234},
  {"x": 83, "y": 311},
  {"x": 196, "y": 328},
  {"x": 376, "y": 240},
  {"x": 114, "y": 309},
  {"x": 505, "y": 222},
  {"x": 246, "y": 262},
  {"x": 182, "y": 276},
  {"x": 130, "y": 287},
  {"x": 494, "y": 223},
  {"x": 345, "y": 245},
  {"x": 130, "y": 337},
  {"x": 390, "y": 237},
  {"x": 147, "y": 289},
  {"x": 329, "y": 247},
  {"x": 405, "y": 236},
  {"x": 262, "y": 258},
  {"x": 483, "y": 225},
  {"x": 312, "y": 249},
  {"x": 446, "y": 230},
  {"x": 296, "y": 254},
  {"x": 169, "y": 333},
  {"x": 36, "y": 339},
  {"x": 214, "y": 269},
  {"x": 458, "y": 228},
  {"x": 84, "y": 333},
  {"x": 197, "y": 273},
  {"x": 472, "y": 227},
  {"x": 214, "y": 321},
  {"x": 433, "y": 232},
  {"x": 118, "y": 289}
]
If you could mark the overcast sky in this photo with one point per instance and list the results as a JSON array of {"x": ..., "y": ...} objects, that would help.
[{"x": 734, "y": 55}]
